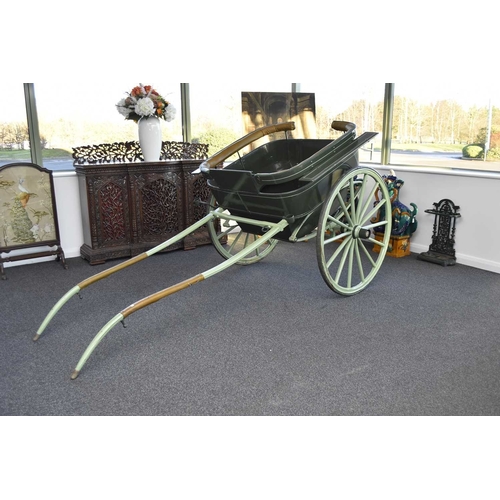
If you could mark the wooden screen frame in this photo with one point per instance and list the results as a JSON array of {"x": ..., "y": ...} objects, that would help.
[{"x": 28, "y": 213}]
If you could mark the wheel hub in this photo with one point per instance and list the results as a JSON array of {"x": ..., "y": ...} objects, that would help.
[{"x": 361, "y": 232}]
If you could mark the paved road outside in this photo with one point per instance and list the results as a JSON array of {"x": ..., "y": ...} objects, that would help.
[{"x": 447, "y": 160}]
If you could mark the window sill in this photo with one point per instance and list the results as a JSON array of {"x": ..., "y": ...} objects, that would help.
[{"x": 460, "y": 172}]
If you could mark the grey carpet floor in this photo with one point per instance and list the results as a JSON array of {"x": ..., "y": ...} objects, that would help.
[{"x": 265, "y": 339}]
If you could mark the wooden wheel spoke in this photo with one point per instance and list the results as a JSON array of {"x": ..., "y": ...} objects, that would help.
[
  {"x": 342, "y": 260},
  {"x": 344, "y": 208},
  {"x": 235, "y": 241},
  {"x": 338, "y": 222},
  {"x": 337, "y": 252},
  {"x": 337, "y": 237},
  {"x": 354, "y": 262},
  {"x": 376, "y": 242},
  {"x": 224, "y": 233},
  {"x": 376, "y": 224},
  {"x": 372, "y": 212},
  {"x": 230, "y": 228},
  {"x": 361, "y": 194},
  {"x": 246, "y": 240},
  {"x": 369, "y": 200},
  {"x": 257, "y": 250},
  {"x": 370, "y": 258},
  {"x": 349, "y": 265},
  {"x": 358, "y": 259},
  {"x": 352, "y": 199}
]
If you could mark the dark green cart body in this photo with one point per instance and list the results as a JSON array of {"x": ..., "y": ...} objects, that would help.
[{"x": 285, "y": 179}]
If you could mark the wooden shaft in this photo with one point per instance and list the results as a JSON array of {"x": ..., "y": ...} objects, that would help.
[
  {"x": 112, "y": 270},
  {"x": 244, "y": 141},
  {"x": 155, "y": 297}
]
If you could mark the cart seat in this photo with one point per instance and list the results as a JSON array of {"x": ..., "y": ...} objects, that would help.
[{"x": 286, "y": 165}]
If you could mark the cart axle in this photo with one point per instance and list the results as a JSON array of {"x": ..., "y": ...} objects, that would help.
[{"x": 361, "y": 232}]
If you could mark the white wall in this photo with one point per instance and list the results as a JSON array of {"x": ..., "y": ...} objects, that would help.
[
  {"x": 477, "y": 237},
  {"x": 477, "y": 231},
  {"x": 68, "y": 212}
]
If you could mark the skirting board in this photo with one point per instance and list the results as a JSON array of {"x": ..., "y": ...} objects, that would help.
[{"x": 466, "y": 260}]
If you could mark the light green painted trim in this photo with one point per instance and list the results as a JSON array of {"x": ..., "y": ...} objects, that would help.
[
  {"x": 154, "y": 250},
  {"x": 181, "y": 235},
  {"x": 245, "y": 220},
  {"x": 95, "y": 342},
  {"x": 56, "y": 308},
  {"x": 273, "y": 231}
]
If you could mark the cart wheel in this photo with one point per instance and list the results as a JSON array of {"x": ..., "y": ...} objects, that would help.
[
  {"x": 229, "y": 239},
  {"x": 344, "y": 245}
]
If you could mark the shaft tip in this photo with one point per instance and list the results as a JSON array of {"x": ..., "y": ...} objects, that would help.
[
  {"x": 36, "y": 337},
  {"x": 74, "y": 374}
]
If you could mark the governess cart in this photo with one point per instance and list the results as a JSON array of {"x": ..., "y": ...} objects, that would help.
[{"x": 285, "y": 190}]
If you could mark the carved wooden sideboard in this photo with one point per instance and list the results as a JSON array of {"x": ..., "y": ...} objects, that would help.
[{"x": 130, "y": 207}]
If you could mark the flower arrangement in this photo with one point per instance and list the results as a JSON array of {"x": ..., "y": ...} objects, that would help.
[{"x": 143, "y": 101}]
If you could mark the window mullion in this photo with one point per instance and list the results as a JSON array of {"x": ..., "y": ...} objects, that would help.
[{"x": 32, "y": 118}]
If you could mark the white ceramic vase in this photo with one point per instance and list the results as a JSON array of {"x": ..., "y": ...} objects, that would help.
[{"x": 150, "y": 137}]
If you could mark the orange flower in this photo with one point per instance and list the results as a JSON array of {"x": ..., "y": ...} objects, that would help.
[
  {"x": 136, "y": 91},
  {"x": 131, "y": 106}
]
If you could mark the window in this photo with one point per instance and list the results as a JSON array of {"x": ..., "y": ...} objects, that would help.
[
  {"x": 360, "y": 104},
  {"x": 76, "y": 114},
  {"x": 216, "y": 111},
  {"x": 14, "y": 138},
  {"x": 432, "y": 124}
]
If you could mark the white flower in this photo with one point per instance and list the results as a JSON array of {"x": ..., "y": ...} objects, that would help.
[
  {"x": 169, "y": 113},
  {"x": 144, "y": 107},
  {"x": 35, "y": 229},
  {"x": 145, "y": 103},
  {"x": 47, "y": 228},
  {"x": 122, "y": 108}
]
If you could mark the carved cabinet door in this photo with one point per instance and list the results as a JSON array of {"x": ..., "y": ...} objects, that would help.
[
  {"x": 129, "y": 208},
  {"x": 157, "y": 205},
  {"x": 109, "y": 200}
]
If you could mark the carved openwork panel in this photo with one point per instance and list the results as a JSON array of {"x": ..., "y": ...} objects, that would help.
[
  {"x": 111, "y": 214},
  {"x": 159, "y": 208},
  {"x": 106, "y": 153},
  {"x": 133, "y": 207},
  {"x": 201, "y": 195},
  {"x": 118, "y": 152},
  {"x": 172, "y": 150}
]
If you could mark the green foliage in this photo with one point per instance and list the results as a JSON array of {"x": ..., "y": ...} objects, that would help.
[
  {"x": 494, "y": 145},
  {"x": 493, "y": 154},
  {"x": 25, "y": 154},
  {"x": 481, "y": 135},
  {"x": 56, "y": 153},
  {"x": 495, "y": 140},
  {"x": 473, "y": 151},
  {"x": 216, "y": 138}
]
